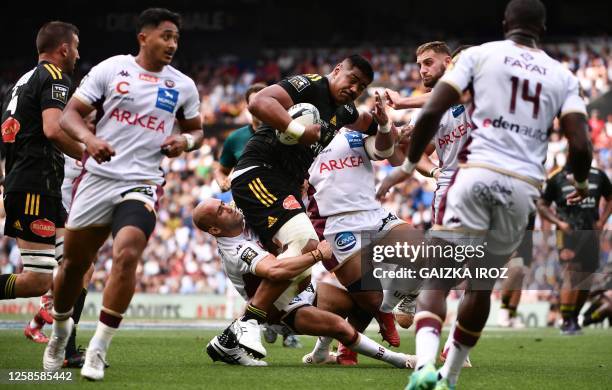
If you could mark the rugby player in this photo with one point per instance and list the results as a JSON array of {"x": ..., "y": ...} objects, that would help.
[
  {"x": 139, "y": 98},
  {"x": 311, "y": 312},
  {"x": 517, "y": 90},
  {"x": 267, "y": 179}
]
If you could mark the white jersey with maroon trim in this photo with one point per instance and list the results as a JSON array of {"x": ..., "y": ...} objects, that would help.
[
  {"x": 517, "y": 93},
  {"x": 240, "y": 256},
  {"x": 343, "y": 176},
  {"x": 453, "y": 132},
  {"x": 136, "y": 112}
]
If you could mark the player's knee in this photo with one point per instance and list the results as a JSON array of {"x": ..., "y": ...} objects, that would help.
[
  {"x": 125, "y": 259},
  {"x": 297, "y": 235}
]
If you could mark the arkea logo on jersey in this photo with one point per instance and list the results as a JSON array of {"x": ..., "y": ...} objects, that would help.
[
  {"x": 501, "y": 123},
  {"x": 10, "y": 128},
  {"x": 148, "y": 122},
  {"x": 167, "y": 99},
  {"x": 455, "y": 135},
  {"x": 345, "y": 241},
  {"x": 347, "y": 162}
]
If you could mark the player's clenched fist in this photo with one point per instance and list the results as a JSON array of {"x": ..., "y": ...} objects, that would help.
[
  {"x": 99, "y": 149},
  {"x": 174, "y": 145}
]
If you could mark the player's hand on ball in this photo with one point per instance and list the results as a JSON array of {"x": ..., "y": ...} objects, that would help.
[
  {"x": 99, "y": 149},
  {"x": 174, "y": 145},
  {"x": 310, "y": 135},
  {"x": 325, "y": 250}
]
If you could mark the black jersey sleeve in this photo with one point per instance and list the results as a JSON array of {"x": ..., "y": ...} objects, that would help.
[
  {"x": 606, "y": 187},
  {"x": 551, "y": 190},
  {"x": 301, "y": 88},
  {"x": 54, "y": 90}
]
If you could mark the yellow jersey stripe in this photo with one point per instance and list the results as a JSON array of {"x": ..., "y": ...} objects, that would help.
[
  {"x": 257, "y": 195},
  {"x": 51, "y": 71},
  {"x": 261, "y": 192},
  {"x": 27, "y": 204},
  {"x": 58, "y": 70},
  {"x": 266, "y": 190}
]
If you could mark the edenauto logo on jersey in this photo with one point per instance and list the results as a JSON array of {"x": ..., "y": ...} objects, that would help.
[{"x": 501, "y": 123}]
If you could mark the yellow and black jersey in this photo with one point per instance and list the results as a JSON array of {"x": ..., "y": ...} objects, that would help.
[
  {"x": 33, "y": 163},
  {"x": 264, "y": 148}
]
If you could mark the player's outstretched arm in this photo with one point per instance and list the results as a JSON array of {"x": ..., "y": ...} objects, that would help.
[
  {"x": 399, "y": 102},
  {"x": 580, "y": 154},
  {"x": 221, "y": 174},
  {"x": 53, "y": 131},
  {"x": 275, "y": 269},
  {"x": 73, "y": 122},
  {"x": 270, "y": 105},
  {"x": 442, "y": 98}
]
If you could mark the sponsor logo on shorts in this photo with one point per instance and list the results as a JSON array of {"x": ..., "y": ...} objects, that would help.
[
  {"x": 354, "y": 138},
  {"x": 386, "y": 220},
  {"x": 17, "y": 226},
  {"x": 43, "y": 228},
  {"x": 271, "y": 221},
  {"x": 290, "y": 203},
  {"x": 59, "y": 92},
  {"x": 167, "y": 99},
  {"x": 299, "y": 82},
  {"x": 345, "y": 241},
  {"x": 148, "y": 77},
  {"x": 10, "y": 128},
  {"x": 248, "y": 255}
]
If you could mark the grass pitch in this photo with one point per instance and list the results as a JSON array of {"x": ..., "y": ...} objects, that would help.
[{"x": 161, "y": 359}]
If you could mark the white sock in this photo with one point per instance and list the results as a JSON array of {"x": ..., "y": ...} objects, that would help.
[
  {"x": 449, "y": 339},
  {"x": 103, "y": 336},
  {"x": 390, "y": 299},
  {"x": 371, "y": 348},
  {"x": 61, "y": 325},
  {"x": 321, "y": 349},
  {"x": 454, "y": 361},
  {"x": 427, "y": 338}
]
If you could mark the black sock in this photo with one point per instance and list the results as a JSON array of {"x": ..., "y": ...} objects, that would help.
[
  {"x": 71, "y": 348},
  {"x": 512, "y": 311},
  {"x": 505, "y": 301},
  {"x": 253, "y": 313},
  {"x": 7, "y": 286},
  {"x": 567, "y": 311}
]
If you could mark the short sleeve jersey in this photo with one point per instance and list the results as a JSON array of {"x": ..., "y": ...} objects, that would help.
[
  {"x": 264, "y": 148},
  {"x": 581, "y": 216},
  {"x": 517, "y": 92},
  {"x": 136, "y": 110},
  {"x": 239, "y": 256},
  {"x": 234, "y": 145},
  {"x": 33, "y": 162}
]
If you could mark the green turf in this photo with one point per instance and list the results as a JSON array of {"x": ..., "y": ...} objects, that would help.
[{"x": 534, "y": 359}]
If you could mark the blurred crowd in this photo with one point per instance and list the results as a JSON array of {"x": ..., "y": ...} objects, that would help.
[{"x": 181, "y": 259}]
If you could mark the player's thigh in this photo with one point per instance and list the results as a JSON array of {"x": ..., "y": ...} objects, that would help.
[
  {"x": 333, "y": 299},
  {"x": 312, "y": 321},
  {"x": 81, "y": 246},
  {"x": 350, "y": 271}
]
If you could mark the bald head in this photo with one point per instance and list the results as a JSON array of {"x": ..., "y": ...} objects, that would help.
[
  {"x": 526, "y": 16},
  {"x": 217, "y": 218}
]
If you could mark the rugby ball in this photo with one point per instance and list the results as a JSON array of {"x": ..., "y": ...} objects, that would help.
[{"x": 304, "y": 113}]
